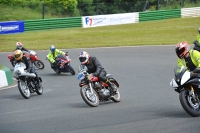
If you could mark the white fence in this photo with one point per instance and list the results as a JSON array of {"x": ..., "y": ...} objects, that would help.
[{"x": 190, "y": 12}]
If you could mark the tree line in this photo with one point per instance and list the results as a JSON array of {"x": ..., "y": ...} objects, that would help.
[{"x": 96, "y": 7}]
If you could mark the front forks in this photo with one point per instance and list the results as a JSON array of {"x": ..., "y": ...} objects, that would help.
[{"x": 191, "y": 92}]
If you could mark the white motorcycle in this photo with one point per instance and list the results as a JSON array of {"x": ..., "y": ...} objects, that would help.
[
  {"x": 27, "y": 83},
  {"x": 187, "y": 84}
]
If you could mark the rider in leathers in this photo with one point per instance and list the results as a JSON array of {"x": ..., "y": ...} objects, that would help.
[
  {"x": 53, "y": 53},
  {"x": 197, "y": 41},
  {"x": 187, "y": 57},
  {"x": 94, "y": 67},
  {"x": 19, "y": 46},
  {"x": 18, "y": 55}
]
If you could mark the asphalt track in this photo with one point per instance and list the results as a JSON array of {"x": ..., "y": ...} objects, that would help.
[{"x": 149, "y": 104}]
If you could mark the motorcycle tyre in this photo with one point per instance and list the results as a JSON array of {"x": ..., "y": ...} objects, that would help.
[
  {"x": 41, "y": 63},
  {"x": 84, "y": 97},
  {"x": 185, "y": 104},
  {"x": 13, "y": 63},
  {"x": 40, "y": 90},
  {"x": 57, "y": 70},
  {"x": 21, "y": 91},
  {"x": 117, "y": 96},
  {"x": 71, "y": 70}
]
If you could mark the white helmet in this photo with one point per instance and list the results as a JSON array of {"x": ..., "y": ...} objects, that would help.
[
  {"x": 19, "y": 45},
  {"x": 84, "y": 57}
]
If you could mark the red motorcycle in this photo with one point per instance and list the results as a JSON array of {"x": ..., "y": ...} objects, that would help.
[
  {"x": 63, "y": 64},
  {"x": 33, "y": 57},
  {"x": 92, "y": 90}
]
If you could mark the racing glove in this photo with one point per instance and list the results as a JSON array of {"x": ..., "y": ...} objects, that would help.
[{"x": 197, "y": 70}]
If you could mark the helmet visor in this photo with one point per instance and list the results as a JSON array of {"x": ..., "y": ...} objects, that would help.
[
  {"x": 82, "y": 59},
  {"x": 53, "y": 50},
  {"x": 17, "y": 55},
  {"x": 180, "y": 52}
]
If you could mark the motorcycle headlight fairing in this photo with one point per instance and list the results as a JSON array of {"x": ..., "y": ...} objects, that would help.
[{"x": 173, "y": 83}]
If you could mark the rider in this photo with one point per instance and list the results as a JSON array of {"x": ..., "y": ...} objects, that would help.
[
  {"x": 53, "y": 53},
  {"x": 18, "y": 55},
  {"x": 95, "y": 67},
  {"x": 19, "y": 46},
  {"x": 197, "y": 41},
  {"x": 188, "y": 57}
]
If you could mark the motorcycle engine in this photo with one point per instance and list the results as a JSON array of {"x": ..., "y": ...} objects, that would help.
[
  {"x": 104, "y": 93},
  {"x": 98, "y": 85}
]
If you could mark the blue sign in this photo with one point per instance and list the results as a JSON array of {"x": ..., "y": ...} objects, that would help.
[{"x": 11, "y": 27}]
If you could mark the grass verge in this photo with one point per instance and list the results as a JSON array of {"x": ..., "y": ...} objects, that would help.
[{"x": 162, "y": 32}]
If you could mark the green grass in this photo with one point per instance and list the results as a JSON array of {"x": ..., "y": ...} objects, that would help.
[
  {"x": 1, "y": 67},
  {"x": 162, "y": 32}
]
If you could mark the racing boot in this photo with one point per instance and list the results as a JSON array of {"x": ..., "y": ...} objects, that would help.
[
  {"x": 111, "y": 85},
  {"x": 37, "y": 81}
]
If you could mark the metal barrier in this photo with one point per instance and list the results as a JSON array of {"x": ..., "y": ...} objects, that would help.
[
  {"x": 159, "y": 15},
  {"x": 44, "y": 24}
]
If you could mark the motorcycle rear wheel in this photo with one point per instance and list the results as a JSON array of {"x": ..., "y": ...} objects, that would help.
[
  {"x": 39, "y": 64},
  {"x": 23, "y": 89},
  {"x": 188, "y": 104},
  {"x": 90, "y": 99}
]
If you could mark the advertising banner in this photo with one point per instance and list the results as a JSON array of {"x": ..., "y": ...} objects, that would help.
[
  {"x": 11, "y": 27},
  {"x": 104, "y": 20}
]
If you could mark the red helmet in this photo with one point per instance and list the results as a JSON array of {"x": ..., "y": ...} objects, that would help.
[
  {"x": 182, "y": 49},
  {"x": 19, "y": 45}
]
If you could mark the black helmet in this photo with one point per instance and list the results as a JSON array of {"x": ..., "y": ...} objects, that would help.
[{"x": 52, "y": 48}]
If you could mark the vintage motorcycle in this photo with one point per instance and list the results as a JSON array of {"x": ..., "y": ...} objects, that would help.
[
  {"x": 33, "y": 57},
  {"x": 63, "y": 64},
  {"x": 187, "y": 84},
  {"x": 92, "y": 90},
  {"x": 27, "y": 83}
]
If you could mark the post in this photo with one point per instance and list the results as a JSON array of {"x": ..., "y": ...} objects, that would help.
[
  {"x": 182, "y": 3},
  {"x": 97, "y": 8},
  {"x": 158, "y": 2},
  {"x": 42, "y": 10}
]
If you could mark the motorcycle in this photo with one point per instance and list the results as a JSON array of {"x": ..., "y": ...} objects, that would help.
[
  {"x": 63, "y": 64},
  {"x": 92, "y": 90},
  {"x": 33, "y": 57},
  {"x": 27, "y": 83},
  {"x": 196, "y": 45},
  {"x": 187, "y": 84}
]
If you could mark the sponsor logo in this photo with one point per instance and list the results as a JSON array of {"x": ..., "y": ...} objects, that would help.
[
  {"x": 120, "y": 19},
  {"x": 88, "y": 21},
  {"x": 9, "y": 28},
  {"x": 93, "y": 21}
]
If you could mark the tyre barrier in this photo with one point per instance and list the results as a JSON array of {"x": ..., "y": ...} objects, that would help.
[{"x": 5, "y": 76}]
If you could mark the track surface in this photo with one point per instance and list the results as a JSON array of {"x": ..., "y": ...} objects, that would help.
[{"x": 149, "y": 104}]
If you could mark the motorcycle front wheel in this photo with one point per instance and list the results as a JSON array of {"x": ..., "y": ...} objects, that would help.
[
  {"x": 90, "y": 98},
  {"x": 13, "y": 63},
  {"x": 116, "y": 97},
  {"x": 191, "y": 106},
  {"x": 23, "y": 89},
  {"x": 39, "y": 90},
  {"x": 39, "y": 64},
  {"x": 71, "y": 70}
]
